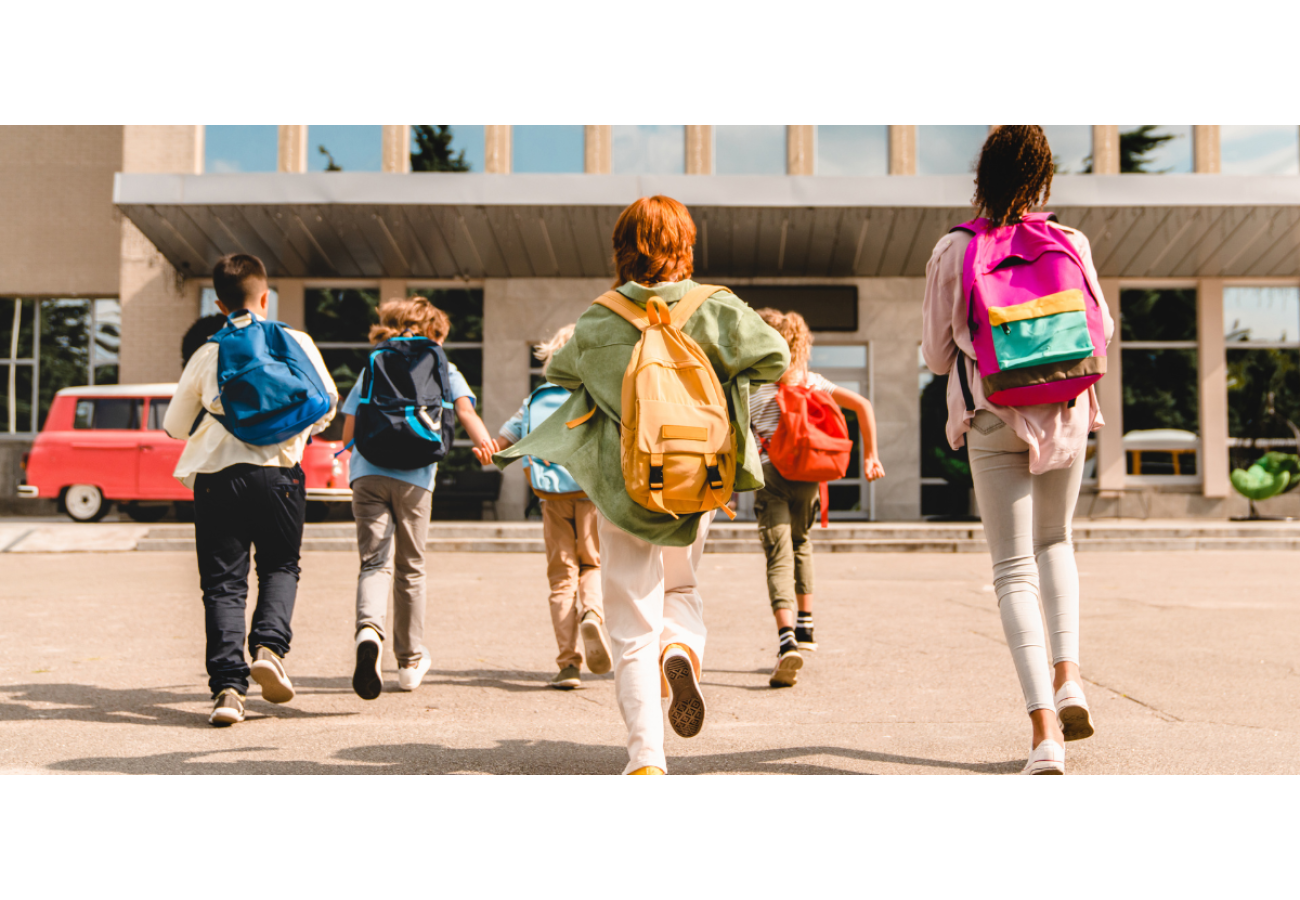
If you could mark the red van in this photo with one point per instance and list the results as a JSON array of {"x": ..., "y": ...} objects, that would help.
[{"x": 106, "y": 444}]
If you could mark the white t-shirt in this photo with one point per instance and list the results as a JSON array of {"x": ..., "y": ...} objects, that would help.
[{"x": 765, "y": 412}]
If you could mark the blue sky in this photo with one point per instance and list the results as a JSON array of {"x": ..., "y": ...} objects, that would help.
[
  {"x": 749, "y": 149},
  {"x": 1267, "y": 313},
  {"x": 649, "y": 149},
  {"x": 852, "y": 150},
  {"x": 1259, "y": 149},
  {"x": 547, "y": 148}
]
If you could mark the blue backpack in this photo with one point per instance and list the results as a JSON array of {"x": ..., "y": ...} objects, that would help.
[
  {"x": 269, "y": 387},
  {"x": 405, "y": 419},
  {"x": 547, "y": 477}
]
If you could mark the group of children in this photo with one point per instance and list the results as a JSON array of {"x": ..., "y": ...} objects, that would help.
[{"x": 681, "y": 388}]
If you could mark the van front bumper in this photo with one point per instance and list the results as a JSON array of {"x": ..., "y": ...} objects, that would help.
[{"x": 29, "y": 491}]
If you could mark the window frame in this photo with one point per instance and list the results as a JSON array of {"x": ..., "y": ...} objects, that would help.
[{"x": 1261, "y": 444}]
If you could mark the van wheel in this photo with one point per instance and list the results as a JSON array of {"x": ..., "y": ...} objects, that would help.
[
  {"x": 85, "y": 503},
  {"x": 317, "y": 511},
  {"x": 140, "y": 512}
]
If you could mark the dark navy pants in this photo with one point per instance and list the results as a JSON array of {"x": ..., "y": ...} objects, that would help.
[{"x": 241, "y": 507}]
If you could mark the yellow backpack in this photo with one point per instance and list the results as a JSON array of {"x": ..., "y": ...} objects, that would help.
[{"x": 678, "y": 452}]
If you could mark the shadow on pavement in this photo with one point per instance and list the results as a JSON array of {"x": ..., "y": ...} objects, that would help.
[{"x": 512, "y": 680}]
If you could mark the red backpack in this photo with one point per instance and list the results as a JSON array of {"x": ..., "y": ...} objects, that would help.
[{"x": 811, "y": 441}]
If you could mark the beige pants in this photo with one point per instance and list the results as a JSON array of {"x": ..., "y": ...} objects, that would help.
[
  {"x": 392, "y": 529},
  {"x": 652, "y": 601},
  {"x": 572, "y": 568}
]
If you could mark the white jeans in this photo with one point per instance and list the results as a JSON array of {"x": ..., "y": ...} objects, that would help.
[
  {"x": 651, "y": 601},
  {"x": 1027, "y": 526}
]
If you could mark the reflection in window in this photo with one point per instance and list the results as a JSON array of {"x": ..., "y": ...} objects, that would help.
[
  {"x": 948, "y": 149},
  {"x": 649, "y": 149},
  {"x": 339, "y": 320},
  {"x": 838, "y": 357},
  {"x": 208, "y": 303},
  {"x": 1167, "y": 314},
  {"x": 1155, "y": 149},
  {"x": 109, "y": 414},
  {"x": 446, "y": 148},
  {"x": 1071, "y": 148},
  {"x": 1263, "y": 379},
  {"x": 1161, "y": 390},
  {"x": 749, "y": 149},
  {"x": 345, "y": 148},
  {"x": 1262, "y": 314},
  {"x": 852, "y": 150},
  {"x": 1259, "y": 149},
  {"x": 157, "y": 412},
  {"x": 1161, "y": 380},
  {"x": 240, "y": 148},
  {"x": 548, "y": 148}
]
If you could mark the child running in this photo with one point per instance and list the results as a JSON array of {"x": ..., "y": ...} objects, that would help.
[
  {"x": 649, "y": 553},
  {"x": 785, "y": 508},
  {"x": 391, "y": 507},
  {"x": 248, "y": 492},
  {"x": 569, "y": 529}
]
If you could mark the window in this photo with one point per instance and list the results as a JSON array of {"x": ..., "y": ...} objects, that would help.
[
  {"x": 338, "y": 320},
  {"x": 825, "y": 307},
  {"x": 852, "y": 150},
  {"x": 948, "y": 149},
  {"x": 240, "y": 148},
  {"x": 1155, "y": 149},
  {"x": 208, "y": 303},
  {"x": 345, "y": 148},
  {"x": 47, "y": 345},
  {"x": 464, "y": 347},
  {"x": 157, "y": 412},
  {"x": 649, "y": 149},
  {"x": 846, "y": 365},
  {"x": 1262, "y": 331},
  {"x": 1161, "y": 380},
  {"x": 749, "y": 149},
  {"x": 548, "y": 148},
  {"x": 1071, "y": 148},
  {"x": 109, "y": 413},
  {"x": 1259, "y": 149},
  {"x": 447, "y": 148}
]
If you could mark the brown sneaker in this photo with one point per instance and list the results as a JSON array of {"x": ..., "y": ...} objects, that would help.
[
  {"x": 566, "y": 679},
  {"x": 228, "y": 709},
  {"x": 268, "y": 671},
  {"x": 595, "y": 645},
  {"x": 686, "y": 708}
]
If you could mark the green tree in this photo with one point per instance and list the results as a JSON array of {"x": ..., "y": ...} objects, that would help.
[
  {"x": 330, "y": 165},
  {"x": 1134, "y": 148},
  {"x": 433, "y": 150}
]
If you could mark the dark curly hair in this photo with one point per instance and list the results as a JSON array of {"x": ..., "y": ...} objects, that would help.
[{"x": 1014, "y": 173}]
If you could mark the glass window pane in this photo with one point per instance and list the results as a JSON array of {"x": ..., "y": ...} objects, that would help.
[
  {"x": 1263, "y": 393},
  {"x": 7, "y": 426},
  {"x": 240, "y": 148},
  {"x": 470, "y": 362},
  {"x": 1261, "y": 314},
  {"x": 463, "y": 306},
  {"x": 1160, "y": 390},
  {"x": 117, "y": 413},
  {"x": 107, "y": 340},
  {"x": 948, "y": 149},
  {"x": 548, "y": 148},
  {"x": 1155, "y": 148},
  {"x": 829, "y": 356},
  {"x": 852, "y": 150},
  {"x": 447, "y": 148},
  {"x": 340, "y": 315},
  {"x": 208, "y": 303},
  {"x": 157, "y": 412},
  {"x": 65, "y": 348},
  {"x": 649, "y": 149},
  {"x": 1168, "y": 314},
  {"x": 344, "y": 148},
  {"x": 17, "y": 327},
  {"x": 749, "y": 149},
  {"x": 1259, "y": 149},
  {"x": 84, "y": 417},
  {"x": 345, "y": 366},
  {"x": 1071, "y": 147},
  {"x": 23, "y": 398}
]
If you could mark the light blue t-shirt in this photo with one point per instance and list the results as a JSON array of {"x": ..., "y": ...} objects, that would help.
[{"x": 359, "y": 467}]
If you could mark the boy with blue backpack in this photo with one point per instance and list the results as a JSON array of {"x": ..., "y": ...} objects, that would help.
[
  {"x": 400, "y": 422},
  {"x": 569, "y": 529},
  {"x": 246, "y": 405}
]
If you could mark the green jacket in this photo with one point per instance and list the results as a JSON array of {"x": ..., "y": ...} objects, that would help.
[{"x": 743, "y": 350}]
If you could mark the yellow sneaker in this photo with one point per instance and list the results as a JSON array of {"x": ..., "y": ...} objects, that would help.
[{"x": 648, "y": 770}]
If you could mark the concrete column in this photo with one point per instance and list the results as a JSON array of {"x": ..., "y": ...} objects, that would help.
[
  {"x": 497, "y": 152},
  {"x": 396, "y": 148},
  {"x": 392, "y": 289},
  {"x": 157, "y": 304},
  {"x": 1212, "y": 364},
  {"x": 598, "y": 149},
  {"x": 1105, "y": 149},
  {"x": 293, "y": 148},
  {"x": 292, "y": 308},
  {"x": 1111, "y": 464},
  {"x": 800, "y": 149},
  {"x": 200, "y": 148},
  {"x": 1205, "y": 149},
  {"x": 699, "y": 149},
  {"x": 902, "y": 149}
]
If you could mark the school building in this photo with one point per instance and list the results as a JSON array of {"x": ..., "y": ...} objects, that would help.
[{"x": 109, "y": 235}]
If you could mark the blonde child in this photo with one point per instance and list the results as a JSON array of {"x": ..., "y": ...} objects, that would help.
[
  {"x": 569, "y": 528},
  {"x": 391, "y": 508},
  {"x": 785, "y": 509}
]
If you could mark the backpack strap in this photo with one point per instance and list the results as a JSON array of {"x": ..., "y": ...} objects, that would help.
[
  {"x": 615, "y": 301},
  {"x": 693, "y": 300}
]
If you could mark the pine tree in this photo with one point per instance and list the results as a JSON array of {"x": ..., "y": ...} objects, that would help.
[
  {"x": 330, "y": 165},
  {"x": 433, "y": 153},
  {"x": 1133, "y": 149}
]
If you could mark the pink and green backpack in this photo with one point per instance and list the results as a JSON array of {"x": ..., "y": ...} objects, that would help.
[{"x": 1037, "y": 327}]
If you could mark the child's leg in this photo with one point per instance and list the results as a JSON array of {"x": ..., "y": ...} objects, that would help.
[
  {"x": 774, "y": 520},
  {"x": 411, "y": 506},
  {"x": 560, "y": 535},
  {"x": 222, "y": 539},
  {"x": 276, "y": 517},
  {"x": 374, "y": 518},
  {"x": 632, "y": 583},
  {"x": 683, "y": 607},
  {"x": 584, "y": 518}
]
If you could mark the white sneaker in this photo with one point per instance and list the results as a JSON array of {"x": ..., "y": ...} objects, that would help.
[
  {"x": 410, "y": 677},
  {"x": 268, "y": 671},
  {"x": 1072, "y": 710},
  {"x": 595, "y": 645},
  {"x": 367, "y": 680},
  {"x": 1048, "y": 758}
]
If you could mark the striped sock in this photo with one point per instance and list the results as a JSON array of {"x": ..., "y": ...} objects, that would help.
[
  {"x": 803, "y": 630},
  {"x": 786, "y": 637}
]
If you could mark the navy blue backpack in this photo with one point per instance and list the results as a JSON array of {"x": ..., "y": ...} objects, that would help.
[
  {"x": 269, "y": 388},
  {"x": 405, "y": 419}
]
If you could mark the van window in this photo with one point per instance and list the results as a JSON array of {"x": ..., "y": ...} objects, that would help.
[
  {"x": 157, "y": 412},
  {"x": 109, "y": 413}
]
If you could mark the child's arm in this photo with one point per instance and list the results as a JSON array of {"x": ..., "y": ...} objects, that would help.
[
  {"x": 474, "y": 426},
  {"x": 871, "y": 467},
  {"x": 349, "y": 423},
  {"x": 186, "y": 404}
]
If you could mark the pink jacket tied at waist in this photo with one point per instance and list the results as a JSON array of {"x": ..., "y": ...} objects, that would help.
[{"x": 1055, "y": 432}]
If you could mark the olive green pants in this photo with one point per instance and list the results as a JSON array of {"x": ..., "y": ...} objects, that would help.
[{"x": 785, "y": 511}]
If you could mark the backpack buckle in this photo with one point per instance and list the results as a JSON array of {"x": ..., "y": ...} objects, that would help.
[
  {"x": 656, "y": 478},
  {"x": 715, "y": 476}
]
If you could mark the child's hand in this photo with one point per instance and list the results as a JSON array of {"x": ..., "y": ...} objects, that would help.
[
  {"x": 484, "y": 451},
  {"x": 872, "y": 469}
]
